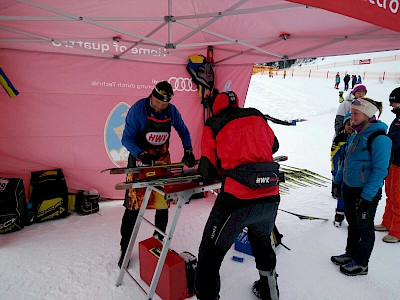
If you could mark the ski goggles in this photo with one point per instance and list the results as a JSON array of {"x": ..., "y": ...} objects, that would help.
[{"x": 162, "y": 95}]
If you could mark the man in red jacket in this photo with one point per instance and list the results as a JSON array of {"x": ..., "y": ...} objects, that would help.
[{"x": 237, "y": 146}]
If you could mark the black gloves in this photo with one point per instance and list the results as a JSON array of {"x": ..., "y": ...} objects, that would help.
[
  {"x": 362, "y": 206},
  {"x": 188, "y": 157},
  {"x": 146, "y": 158},
  {"x": 336, "y": 190}
]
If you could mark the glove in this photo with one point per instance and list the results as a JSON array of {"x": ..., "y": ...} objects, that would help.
[
  {"x": 362, "y": 206},
  {"x": 146, "y": 158},
  {"x": 336, "y": 190},
  {"x": 188, "y": 157}
]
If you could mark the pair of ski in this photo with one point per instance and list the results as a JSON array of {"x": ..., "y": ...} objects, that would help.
[{"x": 160, "y": 175}]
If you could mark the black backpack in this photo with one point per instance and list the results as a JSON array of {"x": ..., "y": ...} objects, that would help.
[
  {"x": 190, "y": 265},
  {"x": 12, "y": 205},
  {"x": 87, "y": 202}
]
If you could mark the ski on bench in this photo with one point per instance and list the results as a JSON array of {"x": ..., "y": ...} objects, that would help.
[
  {"x": 159, "y": 182},
  {"x": 135, "y": 170}
]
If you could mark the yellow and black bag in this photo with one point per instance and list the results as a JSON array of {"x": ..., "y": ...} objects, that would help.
[{"x": 48, "y": 194}]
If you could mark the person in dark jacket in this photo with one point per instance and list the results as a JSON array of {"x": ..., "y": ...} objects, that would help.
[
  {"x": 146, "y": 136},
  {"x": 237, "y": 138},
  {"x": 353, "y": 81},
  {"x": 391, "y": 216},
  {"x": 346, "y": 81},
  {"x": 364, "y": 169},
  {"x": 338, "y": 151}
]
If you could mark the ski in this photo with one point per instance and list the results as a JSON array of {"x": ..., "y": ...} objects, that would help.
[
  {"x": 308, "y": 173},
  {"x": 159, "y": 182},
  {"x": 170, "y": 167},
  {"x": 303, "y": 217},
  {"x": 280, "y": 158}
]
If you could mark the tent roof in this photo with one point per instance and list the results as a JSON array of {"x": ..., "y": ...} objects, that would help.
[{"x": 241, "y": 31}]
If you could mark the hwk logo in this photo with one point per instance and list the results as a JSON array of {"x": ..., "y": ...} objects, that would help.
[{"x": 157, "y": 138}]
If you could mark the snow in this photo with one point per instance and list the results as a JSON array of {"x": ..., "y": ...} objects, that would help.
[{"x": 76, "y": 257}]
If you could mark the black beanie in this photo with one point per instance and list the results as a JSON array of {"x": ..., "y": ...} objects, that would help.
[
  {"x": 395, "y": 95},
  {"x": 163, "y": 91}
]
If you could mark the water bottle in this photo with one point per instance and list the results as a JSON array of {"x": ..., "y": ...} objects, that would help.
[{"x": 30, "y": 214}]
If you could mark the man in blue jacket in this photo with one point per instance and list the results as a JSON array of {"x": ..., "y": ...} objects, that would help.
[{"x": 146, "y": 136}]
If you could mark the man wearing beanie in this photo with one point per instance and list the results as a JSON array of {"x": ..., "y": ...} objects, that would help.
[
  {"x": 362, "y": 174},
  {"x": 344, "y": 108},
  {"x": 146, "y": 136},
  {"x": 391, "y": 216}
]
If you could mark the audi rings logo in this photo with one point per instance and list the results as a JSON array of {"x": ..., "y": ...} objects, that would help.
[{"x": 182, "y": 84}]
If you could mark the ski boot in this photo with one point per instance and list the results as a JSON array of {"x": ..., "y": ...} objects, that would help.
[
  {"x": 266, "y": 288},
  {"x": 339, "y": 217}
]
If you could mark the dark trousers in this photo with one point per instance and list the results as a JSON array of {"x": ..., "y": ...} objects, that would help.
[
  {"x": 361, "y": 234},
  {"x": 227, "y": 219},
  {"x": 128, "y": 222}
]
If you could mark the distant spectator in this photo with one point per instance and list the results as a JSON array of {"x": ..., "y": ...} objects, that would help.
[
  {"x": 337, "y": 80},
  {"x": 346, "y": 81},
  {"x": 284, "y": 74},
  {"x": 341, "y": 99},
  {"x": 353, "y": 81},
  {"x": 344, "y": 107},
  {"x": 358, "y": 79}
]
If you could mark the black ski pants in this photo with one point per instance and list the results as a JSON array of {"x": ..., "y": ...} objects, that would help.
[
  {"x": 361, "y": 233},
  {"x": 227, "y": 219},
  {"x": 128, "y": 222}
]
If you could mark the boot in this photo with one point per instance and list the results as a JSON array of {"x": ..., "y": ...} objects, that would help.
[
  {"x": 267, "y": 287},
  {"x": 342, "y": 259},
  {"x": 353, "y": 269},
  {"x": 339, "y": 217}
]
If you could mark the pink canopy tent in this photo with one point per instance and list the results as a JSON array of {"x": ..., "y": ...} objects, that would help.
[{"x": 79, "y": 65}]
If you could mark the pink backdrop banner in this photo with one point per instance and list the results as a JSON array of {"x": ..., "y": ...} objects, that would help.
[{"x": 70, "y": 113}]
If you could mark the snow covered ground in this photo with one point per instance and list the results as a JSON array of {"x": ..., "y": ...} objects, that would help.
[{"x": 76, "y": 257}]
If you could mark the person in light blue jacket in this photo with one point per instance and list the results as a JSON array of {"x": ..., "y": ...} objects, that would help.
[{"x": 363, "y": 172}]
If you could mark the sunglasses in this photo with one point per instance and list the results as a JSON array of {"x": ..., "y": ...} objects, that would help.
[{"x": 357, "y": 102}]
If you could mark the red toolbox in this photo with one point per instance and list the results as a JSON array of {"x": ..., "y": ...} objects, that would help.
[{"x": 172, "y": 284}]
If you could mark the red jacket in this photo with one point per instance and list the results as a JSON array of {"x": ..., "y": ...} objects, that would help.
[{"x": 236, "y": 136}]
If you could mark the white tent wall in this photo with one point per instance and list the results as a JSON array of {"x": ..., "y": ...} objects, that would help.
[{"x": 71, "y": 110}]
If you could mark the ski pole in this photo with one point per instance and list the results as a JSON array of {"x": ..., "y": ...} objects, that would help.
[{"x": 303, "y": 217}]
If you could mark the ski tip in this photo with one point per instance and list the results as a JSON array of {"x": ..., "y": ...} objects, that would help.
[{"x": 123, "y": 186}]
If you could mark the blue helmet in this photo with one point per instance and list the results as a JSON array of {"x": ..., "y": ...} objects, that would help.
[{"x": 346, "y": 117}]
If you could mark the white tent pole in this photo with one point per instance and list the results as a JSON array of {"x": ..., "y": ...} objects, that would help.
[
  {"x": 117, "y": 19},
  {"x": 337, "y": 40},
  {"x": 89, "y": 21},
  {"x": 169, "y": 23},
  {"x": 239, "y": 11},
  {"x": 233, "y": 40},
  {"x": 250, "y": 50},
  {"x": 134, "y": 44},
  {"x": 214, "y": 19},
  {"x": 46, "y": 39}
]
